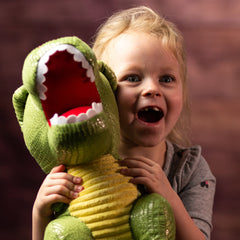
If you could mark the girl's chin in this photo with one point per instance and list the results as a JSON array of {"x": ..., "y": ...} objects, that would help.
[
  {"x": 144, "y": 134},
  {"x": 143, "y": 140}
]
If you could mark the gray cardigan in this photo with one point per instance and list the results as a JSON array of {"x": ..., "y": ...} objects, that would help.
[{"x": 192, "y": 179}]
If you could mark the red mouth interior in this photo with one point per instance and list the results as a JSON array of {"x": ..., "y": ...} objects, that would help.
[{"x": 69, "y": 90}]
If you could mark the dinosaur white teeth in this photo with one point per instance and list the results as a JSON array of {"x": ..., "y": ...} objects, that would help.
[
  {"x": 43, "y": 69},
  {"x": 77, "y": 57},
  {"x": 62, "y": 120},
  {"x": 72, "y": 50},
  {"x": 63, "y": 47},
  {"x": 81, "y": 117},
  {"x": 54, "y": 119},
  {"x": 90, "y": 74},
  {"x": 90, "y": 113},
  {"x": 96, "y": 109},
  {"x": 41, "y": 79},
  {"x": 71, "y": 119},
  {"x": 42, "y": 89}
]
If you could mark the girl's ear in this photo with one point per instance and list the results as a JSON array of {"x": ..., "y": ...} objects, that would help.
[{"x": 109, "y": 74}]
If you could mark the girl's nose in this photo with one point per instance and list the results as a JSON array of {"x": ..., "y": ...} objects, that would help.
[{"x": 151, "y": 89}]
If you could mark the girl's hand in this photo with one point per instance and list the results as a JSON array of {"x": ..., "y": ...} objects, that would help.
[
  {"x": 148, "y": 173},
  {"x": 58, "y": 186}
]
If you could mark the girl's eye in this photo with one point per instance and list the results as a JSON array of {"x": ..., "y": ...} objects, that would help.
[
  {"x": 132, "y": 78},
  {"x": 166, "y": 79}
]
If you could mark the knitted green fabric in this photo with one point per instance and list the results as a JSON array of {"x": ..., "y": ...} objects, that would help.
[
  {"x": 67, "y": 112},
  {"x": 68, "y": 144}
]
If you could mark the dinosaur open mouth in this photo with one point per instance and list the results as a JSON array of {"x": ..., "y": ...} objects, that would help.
[
  {"x": 150, "y": 114},
  {"x": 66, "y": 86}
]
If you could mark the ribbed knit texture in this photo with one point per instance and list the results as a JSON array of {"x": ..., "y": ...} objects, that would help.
[{"x": 106, "y": 202}]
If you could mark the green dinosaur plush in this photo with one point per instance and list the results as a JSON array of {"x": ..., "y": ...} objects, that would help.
[{"x": 68, "y": 115}]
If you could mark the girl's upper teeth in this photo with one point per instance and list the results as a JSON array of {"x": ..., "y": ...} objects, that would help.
[
  {"x": 156, "y": 109},
  {"x": 151, "y": 108}
]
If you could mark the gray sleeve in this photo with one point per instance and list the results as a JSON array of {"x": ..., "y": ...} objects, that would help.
[{"x": 197, "y": 191}]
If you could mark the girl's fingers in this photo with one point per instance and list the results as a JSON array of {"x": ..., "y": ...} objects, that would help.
[
  {"x": 61, "y": 184},
  {"x": 58, "y": 177},
  {"x": 62, "y": 181},
  {"x": 144, "y": 166},
  {"x": 59, "y": 168},
  {"x": 66, "y": 176},
  {"x": 64, "y": 191},
  {"x": 137, "y": 161},
  {"x": 58, "y": 186},
  {"x": 145, "y": 172},
  {"x": 141, "y": 163},
  {"x": 57, "y": 198},
  {"x": 136, "y": 172}
]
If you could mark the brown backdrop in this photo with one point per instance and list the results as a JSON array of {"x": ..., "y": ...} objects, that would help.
[{"x": 212, "y": 34}]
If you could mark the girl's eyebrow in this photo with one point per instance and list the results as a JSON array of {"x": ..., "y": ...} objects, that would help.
[
  {"x": 131, "y": 66},
  {"x": 170, "y": 70},
  {"x": 128, "y": 69}
]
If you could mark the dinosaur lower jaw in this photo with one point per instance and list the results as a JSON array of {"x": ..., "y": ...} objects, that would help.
[{"x": 77, "y": 114}]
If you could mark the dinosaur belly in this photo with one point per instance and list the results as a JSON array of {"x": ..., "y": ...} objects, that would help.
[{"x": 106, "y": 201}]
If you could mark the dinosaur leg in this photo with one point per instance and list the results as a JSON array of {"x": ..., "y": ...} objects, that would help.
[
  {"x": 152, "y": 218},
  {"x": 67, "y": 228}
]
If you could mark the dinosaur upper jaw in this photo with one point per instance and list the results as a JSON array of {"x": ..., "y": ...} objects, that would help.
[{"x": 66, "y": 86}]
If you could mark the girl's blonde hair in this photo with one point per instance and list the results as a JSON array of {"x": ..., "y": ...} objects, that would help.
[{"x": 144, "y": 19}]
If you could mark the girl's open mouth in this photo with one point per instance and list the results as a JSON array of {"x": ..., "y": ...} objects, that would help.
[{"x": 150, "y": 114}]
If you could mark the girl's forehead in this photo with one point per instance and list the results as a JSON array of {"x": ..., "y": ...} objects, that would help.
[
  {"x": 130, "y": 42},
  {"x": 127, "y": 40},
  {"x": 135, "y": 52},
  {"x": 132, "y": 45}
]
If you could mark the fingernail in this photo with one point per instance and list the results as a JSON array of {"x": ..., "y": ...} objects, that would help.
[
  {"x": 77, "y": 180},
  {"x": 79, "y": 188},
  {"x": 75, "y": 194}
]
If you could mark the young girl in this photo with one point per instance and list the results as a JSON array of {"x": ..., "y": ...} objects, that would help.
[{"x": 147, "y": 55}]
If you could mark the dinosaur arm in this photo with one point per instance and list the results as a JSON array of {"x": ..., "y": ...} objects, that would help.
[{"x": 19, "y": 100}]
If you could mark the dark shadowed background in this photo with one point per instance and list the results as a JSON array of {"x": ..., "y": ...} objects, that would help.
[{"x": 212, "y": 34}]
